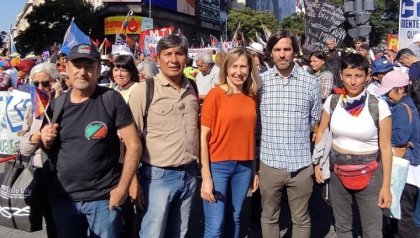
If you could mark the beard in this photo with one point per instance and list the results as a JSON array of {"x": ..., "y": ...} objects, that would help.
[{"x": 81, "y": 84}]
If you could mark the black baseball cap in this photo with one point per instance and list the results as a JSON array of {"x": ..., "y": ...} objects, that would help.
[{"x": 85, "y": 51}]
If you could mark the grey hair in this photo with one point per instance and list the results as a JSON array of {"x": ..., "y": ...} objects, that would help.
[
  {"x": 205, "y": 57},
  {"x": 45, "y": 67},
  {"x": 149, "y": 67},
  {"x": 172, "y": 41},
  {"x": 330, "y": 38}
]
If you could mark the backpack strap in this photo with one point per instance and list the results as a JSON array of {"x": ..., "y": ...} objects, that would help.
[
  {"x": 150, "y": 91},
  {"x": 374, "y": 109},
  {"x": 107, "y": 99},
  {"x": 410, "y": 113},
  {"x": 194, "y": 85},
  {"x": 333, "y": 103}
]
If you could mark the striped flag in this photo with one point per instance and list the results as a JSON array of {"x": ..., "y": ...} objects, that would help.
[
  {"x": 39, "y": 100},
  {"x": 213, "y": 40},
  {"x": 119, "y": 40}
]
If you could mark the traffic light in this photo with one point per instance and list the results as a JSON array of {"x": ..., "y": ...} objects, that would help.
[{"x": 357, "y": 13}]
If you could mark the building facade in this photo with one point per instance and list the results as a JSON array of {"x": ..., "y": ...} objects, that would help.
[
  {"x": 280, "y": 8},
  {"x": 195, "y": 18}
]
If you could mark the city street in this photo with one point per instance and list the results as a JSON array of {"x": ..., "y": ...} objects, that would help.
[{"x": 321, "y": 215}]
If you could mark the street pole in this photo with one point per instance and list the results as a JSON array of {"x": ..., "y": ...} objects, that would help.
[
  {"x": 150, "y": 9},
  {"x": 226, "y": 28}
]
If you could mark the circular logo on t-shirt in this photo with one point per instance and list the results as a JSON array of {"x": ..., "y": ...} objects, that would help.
[{"x": 96, "y": 130}]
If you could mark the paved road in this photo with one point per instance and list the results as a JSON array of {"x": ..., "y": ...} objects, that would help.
[{"x": 321, "y": 215}]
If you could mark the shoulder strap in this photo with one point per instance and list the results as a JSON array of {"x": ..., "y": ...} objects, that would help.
[
  {"x": 58, "y": 107},
  {"x": 374, "y": 109},
  {"x": 333, "y": 103},
  {"x": 108, "y": 103},
  {"x": 410, "y": 113},
  {"x": 150, "y": 91},
  {"x": 194, "y": 85}
]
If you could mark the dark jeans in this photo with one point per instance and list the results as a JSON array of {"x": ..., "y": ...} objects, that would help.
[
  {"x": 366, "y": 201},
  {"x": 405, "y": 226}
]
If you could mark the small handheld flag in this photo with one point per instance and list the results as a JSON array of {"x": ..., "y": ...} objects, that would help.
[{"x": 39, "y": 100}]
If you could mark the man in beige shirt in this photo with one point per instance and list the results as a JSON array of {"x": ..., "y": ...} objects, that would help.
[{"x": 170, "y": 155}]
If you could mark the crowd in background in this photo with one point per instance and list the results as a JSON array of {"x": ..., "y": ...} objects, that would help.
[{"x": 249, "y": 118}]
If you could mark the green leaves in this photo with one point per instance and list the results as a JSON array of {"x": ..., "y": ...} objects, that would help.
[{"x": 48, "y": 23}]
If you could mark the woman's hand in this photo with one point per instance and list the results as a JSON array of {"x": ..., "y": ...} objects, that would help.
[
  {"x": 207, "y": 190},
  {"x": 318, "y": 174},
  {"x": 385, "y": 198},
  {"x": 255, "y": 183}
]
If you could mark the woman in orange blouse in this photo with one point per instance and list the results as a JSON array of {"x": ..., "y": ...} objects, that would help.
[{"x": 228, "y": 122}]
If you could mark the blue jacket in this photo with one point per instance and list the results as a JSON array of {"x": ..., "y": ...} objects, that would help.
[{"x": 403, "y": 131}]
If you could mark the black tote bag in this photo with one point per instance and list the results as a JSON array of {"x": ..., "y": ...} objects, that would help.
[{"x": 19, "y": 197}]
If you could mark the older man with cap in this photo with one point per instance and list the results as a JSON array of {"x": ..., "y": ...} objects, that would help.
[{"x": 87, "y": 183}]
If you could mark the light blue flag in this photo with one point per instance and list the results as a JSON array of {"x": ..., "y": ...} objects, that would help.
[{"x": 73, "y": 36}]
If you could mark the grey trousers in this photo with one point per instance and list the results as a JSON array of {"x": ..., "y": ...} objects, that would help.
[
  {"x": 366, "y": 201},
  {"x": 299, "y": 190}
]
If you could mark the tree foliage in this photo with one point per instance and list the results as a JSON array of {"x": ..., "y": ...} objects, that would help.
[
  {"x": 250, "y": 21},
  {"x": 294, "y": 23},
  {"x": 48, "y": 23}
]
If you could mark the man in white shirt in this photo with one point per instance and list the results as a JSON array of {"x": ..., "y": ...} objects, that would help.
[{"x": 208, "y": 76}]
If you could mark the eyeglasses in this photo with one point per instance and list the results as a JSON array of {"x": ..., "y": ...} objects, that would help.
[{"x": 43, "y": 83}]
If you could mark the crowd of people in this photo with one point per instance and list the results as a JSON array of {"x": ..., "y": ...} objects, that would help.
[{"x": 125, "y": 139}]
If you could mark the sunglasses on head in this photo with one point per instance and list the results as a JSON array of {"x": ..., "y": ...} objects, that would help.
[{"x": 43, "y": 83}]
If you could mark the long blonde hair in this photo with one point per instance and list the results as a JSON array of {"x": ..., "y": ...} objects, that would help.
[{"x": 252, "y": 83}]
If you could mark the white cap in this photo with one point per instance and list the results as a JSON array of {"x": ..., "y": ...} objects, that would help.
[
  {"x": 416, "y": 38},
  {"x": 256, "y": 47}
]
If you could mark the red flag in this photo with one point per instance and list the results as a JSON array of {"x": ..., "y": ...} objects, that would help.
[
  {"x": 39, "y": 100},
  {"x": 213, "y": 40},
  {"x": 95, "y": 42}
]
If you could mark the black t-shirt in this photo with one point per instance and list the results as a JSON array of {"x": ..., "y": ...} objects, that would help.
[{"x": 88, "y": 145}]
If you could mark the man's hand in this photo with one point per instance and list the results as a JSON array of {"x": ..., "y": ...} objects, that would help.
[
  {"x": 318, "y": 174},
  {"x": 207, "y": 191},
  {"x": 48, "y": 134},
  {"x": 135, "y": 192},
  {"x": 117, "y": 197}
]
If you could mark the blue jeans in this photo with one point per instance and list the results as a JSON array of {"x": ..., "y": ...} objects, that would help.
[
  {"x": 73, "y": 219},
  {"x": 227, "y": 175},
  {"x": 168, "y": 196}
]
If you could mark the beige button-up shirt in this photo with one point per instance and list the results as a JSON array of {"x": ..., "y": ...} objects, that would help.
[{"x": 171, "y": 135}]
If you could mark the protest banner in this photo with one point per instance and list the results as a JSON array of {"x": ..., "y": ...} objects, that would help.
[
  {"x": 323, "y": 20},
  {"x": 136, "y": 25},
  {"x": 148, "y": 39},
  {"x": 12, "y": 110},
  {"x": 392, "y": 42},
  {"x": 409, "y": 22}
]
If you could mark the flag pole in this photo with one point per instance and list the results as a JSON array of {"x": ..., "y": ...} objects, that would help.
[{"x": 130, "y": 13}]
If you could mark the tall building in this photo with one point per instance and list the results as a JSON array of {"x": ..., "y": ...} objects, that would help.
[
  {"x": 195, "y": 18},
  {"x": 280, "y": 8}
]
